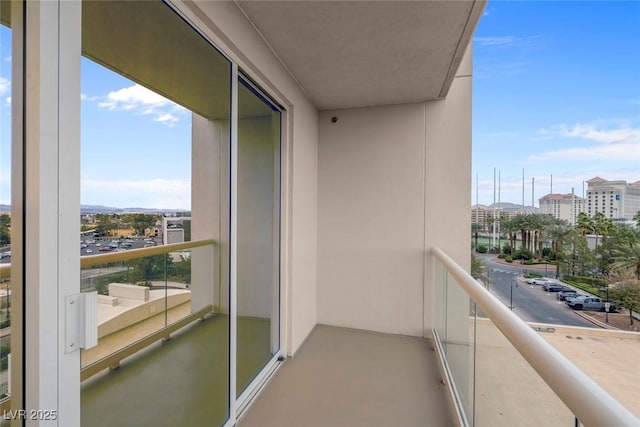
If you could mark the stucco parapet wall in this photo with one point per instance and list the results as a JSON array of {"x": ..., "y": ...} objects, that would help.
[
  {"x": 124, "y": 290},
  {"x": 130, "y": 311}
]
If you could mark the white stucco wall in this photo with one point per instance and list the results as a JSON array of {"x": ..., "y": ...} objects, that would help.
[
  {"x": 371, "y": 225},
  {"x": 394, "y": 181}
]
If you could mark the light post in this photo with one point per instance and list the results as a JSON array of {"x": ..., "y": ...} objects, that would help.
[
  {"x": 513, "y": 281},
  {"x": 607, "y": 306},
  {"x": 546, "y": 263}
]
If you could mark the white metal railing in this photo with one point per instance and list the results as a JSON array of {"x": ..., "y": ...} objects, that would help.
[{"x": 589, "y": 402}]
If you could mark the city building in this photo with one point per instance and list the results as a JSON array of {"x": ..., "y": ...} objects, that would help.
[
  {"x": 330, "y": 197},
  {"x": 617, "y": 200},
  {"x": 176, "y": 229},
  {"x": 483, "y": 215},
  {"x": 479, "y": 216},
  {"x": 563, "y": 206}
]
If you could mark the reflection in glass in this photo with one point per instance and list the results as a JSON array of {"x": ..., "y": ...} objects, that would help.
[
  {"x": 5, "y": 214},
  {"x": 258, "y": 233},
  {"x": 155, "y": 134}
]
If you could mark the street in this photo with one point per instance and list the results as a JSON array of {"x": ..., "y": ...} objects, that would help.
[{"x": 530, "y": 302}]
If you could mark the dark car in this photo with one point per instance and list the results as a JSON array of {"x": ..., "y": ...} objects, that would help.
[
  {"x": 563, "y": 295},
  {"x": 555, "y": 287}
]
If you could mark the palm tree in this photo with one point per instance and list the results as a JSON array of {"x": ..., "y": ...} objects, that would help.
[
  {"x": 558, "y": 233},
  {"x": 627, "y": 258},
  {"x": 585, "y": 224},
  {"x": 478, "y": 269},
  {"x": 602, "y": 225},
  {"x": 510, "y": 226}
]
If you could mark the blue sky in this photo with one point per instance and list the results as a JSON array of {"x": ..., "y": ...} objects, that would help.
[{"x": 556, "y": 92}]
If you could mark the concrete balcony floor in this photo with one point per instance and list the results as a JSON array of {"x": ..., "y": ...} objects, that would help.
[{"x": 345, "y": 377}]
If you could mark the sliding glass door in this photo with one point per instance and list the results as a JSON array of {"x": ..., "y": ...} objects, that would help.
[
  {"x": 154, "y": 172},
  {"x": 258, "y": 236}
]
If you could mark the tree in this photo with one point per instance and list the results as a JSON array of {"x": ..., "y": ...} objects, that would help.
[
  {"x": 144, "y": 270},
  {"x": 5, "y": 227},
  {"x": 581, "y": 259},
  {"x": 602, "y": 225},
  {"x": 585, "y": 224},
  {"x": 478, "y": 269},
  {"x": 143, "y": 221},
  {"x": 510, "y": 226},
  {"x": 625, "y": 290},
  {"x": 627, "y": 258},
  {"x": 636, "y": 217},
  {"x": 106, "y": 223}
]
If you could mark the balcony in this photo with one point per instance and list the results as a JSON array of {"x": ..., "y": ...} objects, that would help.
[
  {"x": 483, "y": 365},
  {"x": 350, "y": 377},
  {"x": 498, "y": 370}
]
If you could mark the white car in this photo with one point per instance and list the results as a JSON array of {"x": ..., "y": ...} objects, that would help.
[
  {"x": 541, "y": 280},
  {"x": 89, "y": 251}
]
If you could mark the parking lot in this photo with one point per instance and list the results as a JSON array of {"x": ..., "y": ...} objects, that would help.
[{"x": 99, "y": 245}]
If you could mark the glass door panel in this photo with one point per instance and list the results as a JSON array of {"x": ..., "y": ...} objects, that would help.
[
  {"x": 156, "y": 111},
  {"x": 258, "y": 241},
  {"x": 9, "y": 280}
]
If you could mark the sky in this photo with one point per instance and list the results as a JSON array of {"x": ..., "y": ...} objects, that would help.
[{"x": 556, "y": 91}]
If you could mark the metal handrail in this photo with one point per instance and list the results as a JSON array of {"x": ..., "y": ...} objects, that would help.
[
  {"x": 589, "y": 402},
  {"x": 88, "y": 261}
]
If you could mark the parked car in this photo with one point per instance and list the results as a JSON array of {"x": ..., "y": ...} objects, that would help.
[
  {"x": 555, "y": 287},
  {"x": 585, "y": 302},
  {"x": 540, "y": 280},
  {"x": 563, "y": 295}
]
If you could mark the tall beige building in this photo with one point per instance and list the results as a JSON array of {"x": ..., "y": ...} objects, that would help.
[
  {"x": 562, "y": 206},
  {"x": 618, "y": 200}
]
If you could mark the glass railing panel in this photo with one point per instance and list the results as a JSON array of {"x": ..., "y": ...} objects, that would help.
[
  {"x": 5, "y": 330},
  {"x": 502, "y": 372},
  {"x": 459, "y": 343},
  {"x": 508, "y": 391},
  {"x": 141, "y": 294},
  {"x": 439, "y": 297}
]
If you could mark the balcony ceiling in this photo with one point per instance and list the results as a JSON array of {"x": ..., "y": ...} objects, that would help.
[{"x": 361, "y": 53}]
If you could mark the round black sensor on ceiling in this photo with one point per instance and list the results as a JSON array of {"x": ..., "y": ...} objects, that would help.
[{"x": 334, "y": 119}]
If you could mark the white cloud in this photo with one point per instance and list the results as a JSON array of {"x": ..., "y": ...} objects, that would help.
[
  {"x": 495, "y": 40},
  {"x": 140, "y": 100},
  {"x": 85, "y": 97},
  {"x": 604, "y": 143},
  {"x": 7, "y": 101},
  {"x": 7, "y": 58},
  {"x": 5, "y": 85},
  {"x": 151, "y": 193},
  {"x": 167, "y": 118},
  {"x": 488, "y": 11},
  {"x": 135, "y": 96}
]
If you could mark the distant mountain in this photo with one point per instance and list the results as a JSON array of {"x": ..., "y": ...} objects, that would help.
[
  {"x": 95, "y": 209},
  {"x": 510, "y": 206}
]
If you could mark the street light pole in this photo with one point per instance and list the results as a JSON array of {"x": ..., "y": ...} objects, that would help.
[
  {"x": 606, "y": 311},
  {"x": 511, "y": 293}
]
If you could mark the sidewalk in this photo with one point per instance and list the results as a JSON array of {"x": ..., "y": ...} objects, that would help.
[{"x": 518, "y": 264}]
